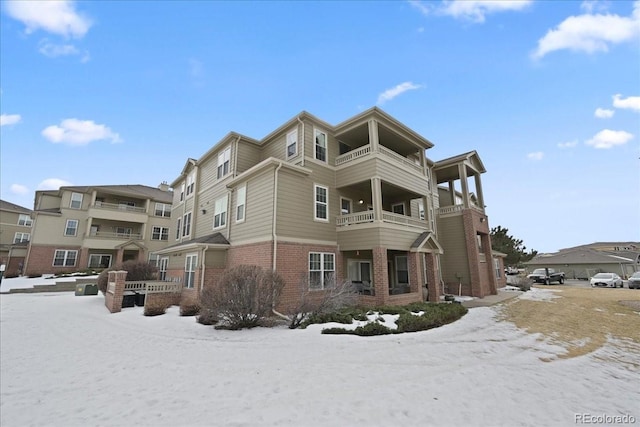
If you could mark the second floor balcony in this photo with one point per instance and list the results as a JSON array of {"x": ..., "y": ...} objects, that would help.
[
  {"x": 368, "y": 217},
  {"x": 118, "y": 212}
]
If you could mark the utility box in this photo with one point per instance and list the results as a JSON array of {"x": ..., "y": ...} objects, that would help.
[
  {"x": 140, "y": 296},
  {"x": 128, "y": 299},
  {"x": 86, "y": 289}
]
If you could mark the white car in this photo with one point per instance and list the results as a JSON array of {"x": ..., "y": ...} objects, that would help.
[{"x": 609, "y": 280}]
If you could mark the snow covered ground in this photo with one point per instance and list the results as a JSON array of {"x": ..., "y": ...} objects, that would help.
[{"x": 65, "y": 361}]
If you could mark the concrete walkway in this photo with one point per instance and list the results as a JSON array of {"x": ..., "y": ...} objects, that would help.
[{"x": 490, "y": 300}]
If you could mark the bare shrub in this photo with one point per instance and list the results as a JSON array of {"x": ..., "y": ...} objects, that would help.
[
  {"x": 189, "y": 309},
  {"x": 243, "y": 297},
  {"x": 318, "y": 302},
  {"x": 154, "y": 310},
  {"x": 136, "y": 270}
]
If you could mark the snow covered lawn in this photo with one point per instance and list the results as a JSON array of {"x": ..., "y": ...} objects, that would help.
[{"x": 65, "y": 361}]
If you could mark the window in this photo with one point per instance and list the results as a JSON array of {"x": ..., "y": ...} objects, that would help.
[
  {"x": 496, "y": 267},
  {"x": 182, "y": 191},
  {"x": 190, "y": 270},
  {"x": 162, "y": 268},
  {"x": 123, "y": 231},
  {"x": 421, "y": 209},
  {"x": 160, "y": 233},
  {"x": 292, "y": 143},
  {"x": 321, "y": 145},
  {"x": 25, "y": 220},
  {"x": 76, "y": 201},
  {"x": 71, "y": 228},
  {"x": 402, "y": 270},
  {"x": 321, "y": 270},
  {"x": 21, "y": 237},
  {"x": 99, "y": 261},
  {"x": 186, "y": 225},
  {"x": 345, "y": 206},
  {"x": 220, "y": 213},
  {"x": 190, "y": 183},
  {"x": 321, "y": 210},
  {"x": 178, "y": 228},
  {"x": 241, "y": 203},
  {"x": 64, "y": 258},
  {"x": 223, "y": 162},
  {"x": 398, "y": 208},
  {"x": 163, "y": 209}
]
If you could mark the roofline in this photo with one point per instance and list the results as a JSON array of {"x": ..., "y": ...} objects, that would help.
[
  {"x": 188, "y": 246},
  {"x": 449, "y": 161},
  {"x": 269, "y": 162}
]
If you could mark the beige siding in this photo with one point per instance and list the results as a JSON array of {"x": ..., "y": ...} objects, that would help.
[
  {"x": 49, "y": 202},
  {"x": 374, "y": 166},
  {"x": 296, "y": 205},
  {"x": 208, "y": 173},
  {"x": 249, "y": 155},
  {"x": 215, "y": 258},
  {"x": 276, "y": 147},
  {"x": 9, "y": 226},
  {"x": 451, "y": 237},
  {"x": 207, "y": 200},
  {"x": 50, "y": 230},
  {"x": 259, "y": 208},
  {"x": 370, "y": 237}
]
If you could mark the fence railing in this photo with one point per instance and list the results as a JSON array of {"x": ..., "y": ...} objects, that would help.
[
  {"x": 353, "y": 154},
  {"x": 389, "y": 217},
  {"x": 366, "y": 150},
  {"x": 118, "y": 207},
  {"x": 153, "y": 287},
  {"x": 114, "y": 235}
]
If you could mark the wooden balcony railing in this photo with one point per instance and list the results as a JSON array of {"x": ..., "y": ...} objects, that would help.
[
  {"x": 388, "y": 217},
  {"x": 118, "y": 207},
  {"x": 365, "y": 150}
]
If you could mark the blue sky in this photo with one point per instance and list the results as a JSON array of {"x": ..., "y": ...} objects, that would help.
[{"x": 548, "y": 93}]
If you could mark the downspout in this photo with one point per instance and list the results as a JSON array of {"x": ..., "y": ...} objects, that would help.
[
  {"x": 274, "y": 235},
  {"x": 204, "y": 256},
  {"x": 302, "y": 140},
  {"x": 235, "y": 157}
]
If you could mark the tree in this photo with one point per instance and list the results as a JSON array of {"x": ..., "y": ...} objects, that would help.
[{"x": 516, "y": 252}]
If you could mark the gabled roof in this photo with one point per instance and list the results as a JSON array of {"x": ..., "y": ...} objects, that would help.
[
  {"x": 8, "y": 206},
  {"x": 426, "y": 242},
  {"x": 470, "y": 157},
  {"x": 579, "y": 256}
]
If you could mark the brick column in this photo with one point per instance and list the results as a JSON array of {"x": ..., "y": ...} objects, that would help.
[
  {"x": 432, "y": 278},
  {"x": 115, "y": 291},
  {"x": 415, "y": 277},
  {"x": 380, "y": 272},
  {"x": 492, "y": 286}
]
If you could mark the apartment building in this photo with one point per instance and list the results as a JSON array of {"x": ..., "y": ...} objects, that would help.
[
  {"x": 80, "y": 227},
  {"x": 356, "y": 201},
  {"x": 15, "y": 233}
]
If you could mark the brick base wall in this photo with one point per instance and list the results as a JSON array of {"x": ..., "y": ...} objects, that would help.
[{"x": 40, "y": 260}]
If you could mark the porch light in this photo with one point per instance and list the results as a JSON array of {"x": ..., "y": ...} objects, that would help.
[{"x": 360, "y": 201}]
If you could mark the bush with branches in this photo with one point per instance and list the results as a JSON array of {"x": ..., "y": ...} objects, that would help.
[
  {"x": 244, "y": 297},
  {"x": 317, "y": 303},
  {"x": 136, "y": 270}
]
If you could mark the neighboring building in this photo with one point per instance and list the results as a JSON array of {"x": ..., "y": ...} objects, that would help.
[
  {"x": 582, "y": 262},
  {"x": 358, "y": 201},
  {"x": 15, "y": 233},
  {"x": 77, "y": 228}
]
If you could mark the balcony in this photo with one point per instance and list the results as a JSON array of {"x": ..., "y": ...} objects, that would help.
[
  {"x": 386, "y": 153},
  {"x": 118, "y": 212},
  {"x": 456, "y": 210},
  {"x": 115, "y": 235},
  {"x": 361, "y": 230}
]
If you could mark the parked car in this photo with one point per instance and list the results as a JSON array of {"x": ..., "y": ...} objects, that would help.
[
  {"x": 634, "y": 280},
  {"x": 546, "y": 276},
  {"x": 609, "y": 280}
]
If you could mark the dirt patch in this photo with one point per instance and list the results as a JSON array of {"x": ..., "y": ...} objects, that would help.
[{"x": 581, "y": 319}]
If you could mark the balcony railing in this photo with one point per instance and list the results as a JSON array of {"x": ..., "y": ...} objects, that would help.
[
  {"x": 112, "y": 235},
  {"x": 365, "y": 150},
  {"x": 388, "y": 217},
  {"x": 118, "y": 207},
  {"x": 445, "y": 210}
]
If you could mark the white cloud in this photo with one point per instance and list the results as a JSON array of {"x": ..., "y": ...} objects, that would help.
[
  {"x": 538, "y": 155},
  {"x": 19, "y": 189},
  {"x": 590, "y": 33},
  {"x": 53, "y": 16},
  {"x": 53, "y": 50},
  {"x": 569, "y": 144},
  {"x": 53, "y": 184},
  {"x": 79, "y": 132},
  {"x": 472, "y": 10},
  {"x": 603, "y": 113},
  {"x": 389, "y": 94},
  {"x": 591, "y": 6},
  {"x": 9, "y": 119},
  {"x": 609, "y": 138},
  {"x": 630, "y": 102}
]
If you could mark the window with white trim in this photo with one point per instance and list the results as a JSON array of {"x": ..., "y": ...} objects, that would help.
[
  {"x": 320, "y": 144},
  {"x": 160, "y": 233},
  {"x": 421, "y": 209},
  {"x": 186, "y": 224},
  {"x": 163, "y": 263},
  {"x": 345, "y": 206},
  {"x": 182, "y": 188},
  {"x": 99, "y": 261},
  {"x": 25, "y": 220},
  {"x": 76, "y": 201},
  {"x": 496, "y": 267},
  {"x": 321, "y": 203},
  {"x": 402, "y": 270},
  {"x": 224, "y": 159},
  {"x": 190, "y": 265},
  {"x": 178, "y": 228},
  {"x": 321, "y": 270},
  {"x": 398, "y": 208},
  {"x": 163, "y": 209},
  {"x": 64, "y": 258},
  {"x": 241, "y": 202},
  {"x": 292, "y": 144},
  {"x": 220, "y": 212},
  {"x": 191, "y": 182},
  {"x": 71, "y": 227},
  {"x": 21, "y": 237}
]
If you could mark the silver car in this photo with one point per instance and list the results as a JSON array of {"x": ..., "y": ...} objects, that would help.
[
  {"x": 634, "y": 280},
  {"x": 609, "y": 280}
]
